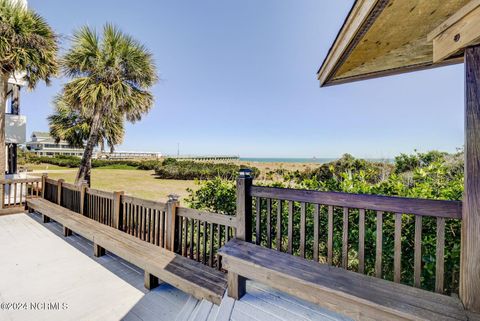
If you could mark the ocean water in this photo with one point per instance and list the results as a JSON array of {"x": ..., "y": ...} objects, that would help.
[{"x": 299, "y": 160}]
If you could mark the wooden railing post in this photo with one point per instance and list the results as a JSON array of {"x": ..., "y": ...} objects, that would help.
[
  {"x": 83, "y": 190},
  {"x": 117, "y": 210},
  {"x": 44, "y": 183},
  {"x": 171, "y": 232},
  {"x": 244, "y": 205},
  {"x": 59, "y": 191},
  {"x": 237, "y": 283}
]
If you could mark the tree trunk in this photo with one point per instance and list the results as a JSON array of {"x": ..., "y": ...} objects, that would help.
[
  {"x": 3, "y": 103},
  {"x": 83, "y": 174}
]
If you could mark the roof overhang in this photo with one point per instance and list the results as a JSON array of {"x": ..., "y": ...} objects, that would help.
[{"x": 386, "y": 37}]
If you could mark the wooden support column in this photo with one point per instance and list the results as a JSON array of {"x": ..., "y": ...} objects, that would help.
[
  {"x": 150, "y": 281},
  {"x": 171, "y": 232},
  {"x": 45, "y": 219},
  {"x": 98, "y": 250},
  {"x": 236, "y": 283},
  {"x": 470, "y": 246}
]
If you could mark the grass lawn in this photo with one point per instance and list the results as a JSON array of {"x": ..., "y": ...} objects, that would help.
[{"x": 134, "y": 182}]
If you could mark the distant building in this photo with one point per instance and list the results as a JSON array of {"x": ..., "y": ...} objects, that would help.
[
  {"x": 42, "y": 144},
  {"x": 129, "y": 155}
]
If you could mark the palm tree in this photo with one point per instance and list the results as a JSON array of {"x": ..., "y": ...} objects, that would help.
[
  {"x": 110, "y": 75},
  {"x": 72, "y": 126},
  {"x": 28, "y": 46}
]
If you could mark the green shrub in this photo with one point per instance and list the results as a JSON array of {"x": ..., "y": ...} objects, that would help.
[
  {"x": 189, "y": 170},
  {"x": 434, "y": 176}
]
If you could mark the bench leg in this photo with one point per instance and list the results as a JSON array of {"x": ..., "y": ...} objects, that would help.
[
  {"x": 151, "y": 281},
  {"x": 46, "y": 219},
  {"x": 67, "y": 231},
  {"x": 237, "y": 285},
  {"x": 98, "y": 250}
]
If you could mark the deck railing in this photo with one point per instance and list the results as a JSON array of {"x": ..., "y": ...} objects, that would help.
[
  {"x": 202, "y": 234},
  {"x": 191, "y": 233},
  {"x": 16, "y": 191},
  {"x": 399, "y": 239},
  {"x": 376, "y": 235}
]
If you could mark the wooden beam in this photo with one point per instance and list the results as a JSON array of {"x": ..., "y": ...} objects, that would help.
[
  {"x": 470, "y": 237},
  {"x": 456, "y": 33},
  {"x": 357, "y": 17}
]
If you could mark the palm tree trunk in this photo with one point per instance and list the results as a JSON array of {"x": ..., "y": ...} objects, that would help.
[
  {"x": 3, "y": 102},
  {"x": 83, "y": 174}
]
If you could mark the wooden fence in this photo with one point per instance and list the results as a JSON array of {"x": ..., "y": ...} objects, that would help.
[
  {"x": 317, "y": 226},
  {"x": 191, "y": 233},
  {"x": 386, "y": 237},
  {"x": 16, "y": 191}
]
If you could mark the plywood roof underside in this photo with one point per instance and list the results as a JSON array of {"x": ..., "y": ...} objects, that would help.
[{"x": 384, "y": 37}]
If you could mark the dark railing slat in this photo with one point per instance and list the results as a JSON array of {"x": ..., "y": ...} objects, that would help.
[
  {"x": 397, "y": 254},
  {"x": 192, "y": 235},
  {"x": 258, "y": 209},
  {"x": 361, "y": 241},
  {"x": 212, "y": 232},
  {"x": 440, "y": 255},
  {"x": 316, "y": 231},
  {"x": 279, "y": 225},
  {"x": 330, "y": 236},
  {"x": 269, "y": 223},
  {"x": 290, "y": 227},
  {"x": 417, "y": 263},
  {"x": 197, "y": 247},
  {"x": 345, "y": 238},
  {"x": 205, "y": 232},
  {"x": 303, "y": 210},
  {"x": 379, "y": 241}
]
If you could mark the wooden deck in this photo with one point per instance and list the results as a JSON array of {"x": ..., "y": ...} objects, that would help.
[
  {"x": 193, "y": 277},
  {"x": 44, "y": 266}
]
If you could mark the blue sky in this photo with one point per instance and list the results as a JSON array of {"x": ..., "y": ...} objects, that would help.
[{"x": 239, "y": 77}]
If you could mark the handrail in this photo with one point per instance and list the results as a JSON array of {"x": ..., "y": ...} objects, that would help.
[
  {"x": 71, "y": 186},
  {"x": 20, "y": 180},
  {"x": 97, "y": 192},
  {"x": 215, "y": 218},
  {"x": 423, "y": 207},
  {"x": 144, "y": 202}
]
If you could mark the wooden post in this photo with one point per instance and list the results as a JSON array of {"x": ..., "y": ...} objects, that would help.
[
  {"x": 470, "y": 244},
  {"x": 171, "y": 237},
  {"x": 98, "y": 250},
  {"x": 150, "y": 281},
  {"x": 117, "y": 210},
  {"x": 83, "y": 189},
  {"x": 237, "y": 284},
  {"x": 244, "y": 206},
  {"x": 67, "y": 231},
  {"x": 59, "y": 191},
  {"x": 44, "y": 180}
]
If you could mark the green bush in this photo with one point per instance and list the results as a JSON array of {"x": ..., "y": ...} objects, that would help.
[
  {"x": 434, "y": 176},
  {"x": 189, "y": 170}
]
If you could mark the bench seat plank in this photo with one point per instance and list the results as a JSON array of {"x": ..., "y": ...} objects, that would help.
[
  {"x": 187, "y": 275},
  {"x": 353, "y": 294}
]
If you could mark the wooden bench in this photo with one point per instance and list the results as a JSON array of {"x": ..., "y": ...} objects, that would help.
[
  {"x": 187, "y": 275},
  {"x": 355, "y": 295}
]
